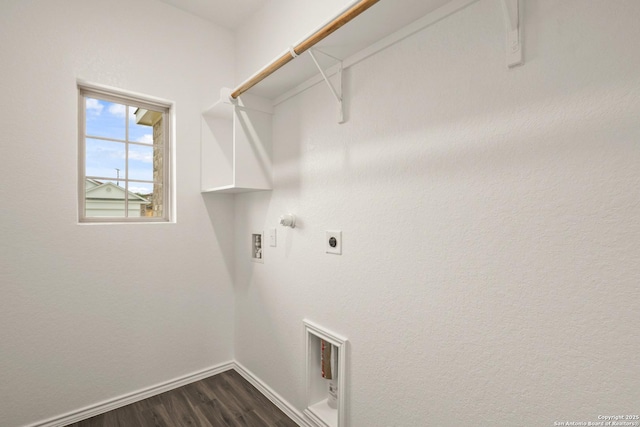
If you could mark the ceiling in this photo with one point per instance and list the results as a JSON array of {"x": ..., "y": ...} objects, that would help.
[{"x": 227, "y": 13}]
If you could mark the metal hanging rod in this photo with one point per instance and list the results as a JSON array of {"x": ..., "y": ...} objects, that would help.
[{"x": 303, "y": 46}]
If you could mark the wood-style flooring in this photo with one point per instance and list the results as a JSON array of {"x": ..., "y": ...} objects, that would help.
[{"x": 223, "y": 400}]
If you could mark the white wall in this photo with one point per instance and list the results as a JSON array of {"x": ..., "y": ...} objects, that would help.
[
  {"x": 277, "y": 26},
  {"x": 490, "y": 273},
  {"x": 74, "y": 332}
]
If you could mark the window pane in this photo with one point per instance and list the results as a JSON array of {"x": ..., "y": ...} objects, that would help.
[
  {"x": 105, "y": 119},
  {"x": 104, "y": 199},
  {"x": 139, "y": 198},
  {"x": 153, "y": 195},
  {"x": 140, "y": 162},
  {"x": 105, "y": 159},
  {"x": 141, "y": 124}
]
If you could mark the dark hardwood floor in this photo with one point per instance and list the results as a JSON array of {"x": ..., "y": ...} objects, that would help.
[{"x": 226, "y": 399}]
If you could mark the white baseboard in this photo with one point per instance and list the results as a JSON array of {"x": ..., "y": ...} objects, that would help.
[
  {"x": 127, "y": 399},
  {"x": 136, "y": 396},
  {"x": 274, "y": 397}
]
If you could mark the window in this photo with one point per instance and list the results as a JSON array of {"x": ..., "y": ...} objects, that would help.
[{"x": 124, "y": 157}]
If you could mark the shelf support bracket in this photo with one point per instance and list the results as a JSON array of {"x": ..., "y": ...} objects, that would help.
[
  {"x": 336, "y": 93},
  {"x": 512, "y": 11}
]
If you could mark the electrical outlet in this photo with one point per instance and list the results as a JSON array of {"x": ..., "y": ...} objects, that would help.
[{"x": 333, "y": 242}]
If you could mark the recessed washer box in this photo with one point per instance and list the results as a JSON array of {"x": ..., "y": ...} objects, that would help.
[
  {"x": 257, "y": 246},
  {"x": 320, "y": 412}
]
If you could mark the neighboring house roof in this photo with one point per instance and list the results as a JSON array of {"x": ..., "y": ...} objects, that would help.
[
  {"x": 109, "y": 191},
  {"x": 91, "y": 183}
]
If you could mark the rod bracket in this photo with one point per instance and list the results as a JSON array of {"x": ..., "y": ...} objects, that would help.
[
  {"x": 513, "y": 23},
  {"x": 337, "y": 93}
]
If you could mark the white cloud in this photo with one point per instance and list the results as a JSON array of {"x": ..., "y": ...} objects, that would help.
[
  {"x": 140, "y": 190},
  {"x": 146, "y": 139},
  {"x": 94, "y": 106},
  {"x": 143, "y": 156},
  {"x": 117, "y": 110}
]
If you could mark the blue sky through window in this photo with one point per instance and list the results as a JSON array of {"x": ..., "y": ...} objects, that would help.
[{"x": 103, "y": 158}]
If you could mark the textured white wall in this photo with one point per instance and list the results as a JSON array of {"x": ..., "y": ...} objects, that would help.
[
  {"x": 491, "y": 264},
  {"x": 277, "y": 26},
  {"x": 73, "y": 332}
]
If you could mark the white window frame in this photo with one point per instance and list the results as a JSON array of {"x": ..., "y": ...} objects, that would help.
[{"x": 86, "y": 90}]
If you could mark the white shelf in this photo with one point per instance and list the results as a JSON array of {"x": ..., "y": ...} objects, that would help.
[
  {"x": 236, "y": 137},
  {"x": 236, "y": 146},
  {"x": 382, "y": 25},
  {"x": 231, "y": 189}
]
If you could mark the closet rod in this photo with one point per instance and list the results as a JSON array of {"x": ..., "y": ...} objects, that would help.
[{"x": 303, "y": 46}]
